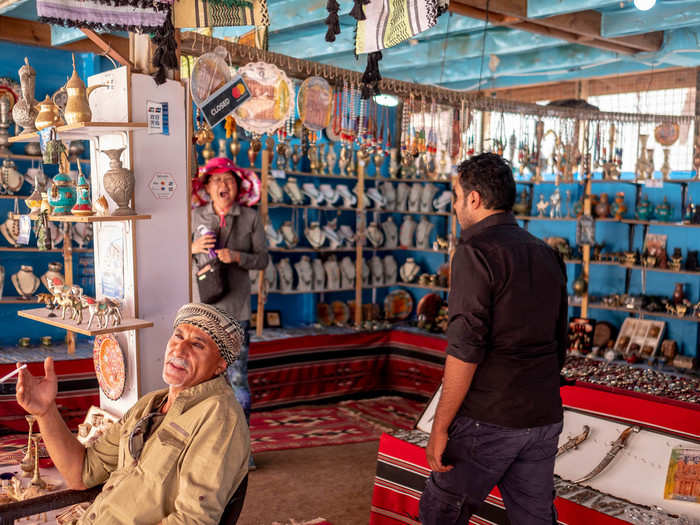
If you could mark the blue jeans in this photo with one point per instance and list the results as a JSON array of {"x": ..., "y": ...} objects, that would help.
[
  {"x": 237, "y": 374},
  {"x": 519, "y": 460}
]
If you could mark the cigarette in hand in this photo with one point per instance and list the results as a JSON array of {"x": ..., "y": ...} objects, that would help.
[{"x": 12, "y": 374}]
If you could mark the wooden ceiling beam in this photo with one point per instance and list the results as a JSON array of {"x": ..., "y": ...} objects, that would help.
[
  {"x": 582, "y": 27},
  {"x": 31, "y": 33}
]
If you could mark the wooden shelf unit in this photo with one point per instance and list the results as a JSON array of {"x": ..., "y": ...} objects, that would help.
[
  {"x": 38, "y": 158},
  {"x": 84, "y": 131}
]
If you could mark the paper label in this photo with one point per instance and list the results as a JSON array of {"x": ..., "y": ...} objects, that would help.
[
  {"x": 157, "y": 118},
  {"x": 278, "y": 174},
  {"x": 25, "y": 229},
  {"x": 654, "y": 183},
  {"x": 163, "y": 185}
]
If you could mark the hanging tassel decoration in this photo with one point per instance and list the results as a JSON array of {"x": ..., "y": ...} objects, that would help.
[
  {"x": 371, "y": 76},
  {"x": 332, "y": 20},
  {"x": 165, "y": 55},
  {"x": 357, "y": 11}
]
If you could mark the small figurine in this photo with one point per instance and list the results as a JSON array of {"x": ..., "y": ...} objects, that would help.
[
  {"x": 619, "y": 208},
  {"x": 542, "y": 206},
  {"x": 663, "y": 211},
  {"x": 644, "y": 209},
  {"x": 82, "y": 205},
  {"x": 602, "y": 209},
  {"x": 555, "y": 202},
  {"x": 568, "y": 203}
]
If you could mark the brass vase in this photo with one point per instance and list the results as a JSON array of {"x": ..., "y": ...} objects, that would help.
[{"x": 119, "y": 182}]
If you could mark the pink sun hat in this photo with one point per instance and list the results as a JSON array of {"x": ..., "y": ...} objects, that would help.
[{"x": 248, "y": 181}]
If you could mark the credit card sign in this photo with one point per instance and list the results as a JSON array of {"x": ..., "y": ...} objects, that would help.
[{"x": 227, "y": 98}]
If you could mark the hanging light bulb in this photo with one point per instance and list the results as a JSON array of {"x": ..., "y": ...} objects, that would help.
[{"x": 644, "y": 5}]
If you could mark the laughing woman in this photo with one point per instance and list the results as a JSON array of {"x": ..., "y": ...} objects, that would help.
[{"x": 235, "y": 235}]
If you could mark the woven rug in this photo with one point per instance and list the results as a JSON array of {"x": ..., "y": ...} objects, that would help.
[{"x": 314, "y": 426}]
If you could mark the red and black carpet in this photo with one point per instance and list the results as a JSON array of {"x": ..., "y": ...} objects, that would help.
[{"x": 314, "y": 426}]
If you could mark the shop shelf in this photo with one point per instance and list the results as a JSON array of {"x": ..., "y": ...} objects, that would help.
[
  {"x": 17, "y": 300},
  {"x": 660, "y": 223},
  {"x": 382, "y": 210},
  {"x": 308, "y": 174},
  {"x": 20, "y": 197},
  {"x": 311, "y": 250},
  {"x": 308, "y": 206},
  {"x": 84, "y": 131},
  {"x": 97, "y": 218},
  {"x": 37, "y": 158},
  {"x": 42, "y": 315},
  {"x": 404, "y": 249},
  {"x": 34, "y": 250},
  {"x": 639, "y": 313},
  {"x": 543, "y": 218},
  {"x": 647, "y": 268},
  {"x": 299, "y": 292},
  {"x": 398, "y": 179},
  {"x": 415, "y": 285}
]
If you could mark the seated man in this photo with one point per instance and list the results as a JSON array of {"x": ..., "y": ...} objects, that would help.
[{"x": 178, "y": 455}]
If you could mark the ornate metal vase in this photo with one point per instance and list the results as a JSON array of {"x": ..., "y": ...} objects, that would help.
[{"x": 119, "y": 183}]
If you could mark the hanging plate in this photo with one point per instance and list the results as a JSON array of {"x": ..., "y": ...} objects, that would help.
[
  {"x": 324, "y": 314},
  {"x": 330, "y": 133},
  {"x": 272, "y": 98},
  {"x": 110, "y": 367},
  {"x": 315, "y": 103},
  {"x": 398, "y": 305},
  {"x": 10, "y": 89},
  {"x": 209, "y": 73},
  {"x": 667, "y": 133},
  {"x": 341, "y": 312},
  {"x": 429, "y": 307}
]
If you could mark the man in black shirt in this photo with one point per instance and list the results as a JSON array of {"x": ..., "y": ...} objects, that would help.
[{"x": 500, "y": 415}]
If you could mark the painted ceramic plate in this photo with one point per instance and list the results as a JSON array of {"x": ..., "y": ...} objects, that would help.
[
  {"x": 324, "y": 314},
  {"x": 271, "y": 99},
  {"x": 667, "y": 133},
  {"x": 341, "y": 312},
  {"x": 429, "y": 307},
  {"x": 10, "y": 89},
  {"x": 314, "y": 103},
  {"x": 330, "y": 133},
  {"x": 398, "y": 305},
  {"x": 110, "y": 367}
]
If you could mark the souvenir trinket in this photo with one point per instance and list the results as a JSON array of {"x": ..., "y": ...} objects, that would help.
[
  {"x": 619, "y": 208},
  {"x": 110, "y": 366},
  {"x": 676, "y": 260},
  {"x": 119, "y": 183},
  {"x": 542, "y": 206},
  {"x": 521, "y": 206},
  {"x": 663, "y": 211},
  {"x": 271, "y": 99},
  {"x": 398, "y": 305},
  {"x": 53, "y": 275},
  {"x": 5, "y": 122},
  {"x": 24, "y": 111},
  {"x": 82, "y": 205},
  {"x": 617, "y": 446},
  {"x": 691, "y": 260},
  {"x": 25, "y": 282},
  {"x": 602, "y": 209},
  {"x": 49, "y": 115},
  {"x": 555, "y": 204},
  {"x": 341, "y": 313},
  {"x": 33, "y": 202},
  {"x": 665, "y": 168},
  {"x": 573, "y": 442},
  {"x": 24, "y": 342},
  {"x": 644, "y": 209},
  {"x": 77, "y": 108},
  {"x": 667, "y": 133},
  {"x": 314, "y": 103},
  {"x": 11, "y": 180},
  {"x": 62, "y": 195}
]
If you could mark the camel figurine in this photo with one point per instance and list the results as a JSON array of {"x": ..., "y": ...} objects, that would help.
[
  {"x": 47, "y": 299},
  {"x": 103, "y": 310}
]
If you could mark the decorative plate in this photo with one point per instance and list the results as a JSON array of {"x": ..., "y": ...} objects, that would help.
[
  {"x": 314, "y": 103},
  {"x": 271, "y": 99},
  {"x": 341, "y": 312},
  {"x": 110, "y": 367},
  {"x": 667, "y": 133},
  {"x": 10, "y": 89},
  {"x": 324, "y": 314},
  {"x": 398, "y": 305},
  {"x": 209, "y": 73},
  {"x": 429, "y": 307},
  {"x": 330, "y": 133}
]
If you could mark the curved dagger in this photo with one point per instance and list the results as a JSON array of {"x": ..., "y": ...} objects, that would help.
[
  {"x": 618, "y": 445},
  {"x": 575, "y": 441}
]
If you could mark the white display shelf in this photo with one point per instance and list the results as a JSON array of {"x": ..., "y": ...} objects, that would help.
[
  {"x": 84, "y": 131},
  {"x": 97, "y": 218},
  {"x": 38, "y": 158},
  {"x": 42, "y": 315}
]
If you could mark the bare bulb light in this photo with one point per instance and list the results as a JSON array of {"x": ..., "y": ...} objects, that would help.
[{"x": 644, "y": 5}]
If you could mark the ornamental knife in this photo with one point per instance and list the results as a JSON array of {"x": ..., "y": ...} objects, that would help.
[
  {"x": 574, "y": 442},
  {"x": 618, "y": 445}
]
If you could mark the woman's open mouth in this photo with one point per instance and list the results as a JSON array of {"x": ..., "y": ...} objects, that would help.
[{"x": 224, "y": 194}]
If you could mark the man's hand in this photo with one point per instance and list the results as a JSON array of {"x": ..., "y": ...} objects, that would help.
[
  {"x": 436, "y": 447},
  {"x": 227, "y": 256},
  {"x": 37, "y": 395},
  {"x": 203, "y": 244}
]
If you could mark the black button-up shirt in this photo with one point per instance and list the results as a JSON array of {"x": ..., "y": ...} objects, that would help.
[{"x": 508, "y": 313}]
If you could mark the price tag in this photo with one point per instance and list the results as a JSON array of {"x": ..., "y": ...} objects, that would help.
[
  {"x": 278, "y": 174},
  {"x": 654, "y": 183},
  {"x": 25, "y": 229}
]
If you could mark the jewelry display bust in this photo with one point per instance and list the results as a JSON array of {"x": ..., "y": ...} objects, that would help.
[
  {"x": 349, "y": 200},
  {"x": 425, "y": 227},
  {"x": 285, "y": 275},
  {"x": 315, "y": 235},
  {"x": 304, "y": 274},
  {"x": 25, "y": 282},
  {"x": 347, "y": 272},
  {"x": 347, "y": 233},
  {"x": 365, "y": 273},
  {"x": 376, "y": 268},
  {"x": 329, "y": 194},
  {"x": 2, "y": 279},
  {"x": 292, "y": 189},
  {"x": 402, "y": 191},
  {"x": 82, "y": 233},
  {"x": 408, "y": 229},
  {"x": 409, "y": 270},
  {"x": 443, "y": 201},
  {"x": 271, "y": 276},
  {"x": 367, "y": 202},
  {"x": 390, "y": 269},
  {"x": 391, "y": 233},
  {"x": 54, "y": 272},
  {"x": 274, "y": 191},
  {"x": 274, "y": 238},
  {"x": 332, "y": 273},
  {"x": 312, "y": 192},
  {"x": 319, "y": 275},
  {"x": 414, "y": 197},
  {"x": 10, "y": 230},
  {"x": 290, "y": 236},
  {"x": 334, "y": 238},
  {"x": 389, "y": 193},
  {"x": 375, "y": 235},
  {"x": 426, "y": 198},
  {"x": 376, "y": 198}
]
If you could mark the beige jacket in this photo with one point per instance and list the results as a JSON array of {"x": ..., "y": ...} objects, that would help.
[{"x": 188, "y": 470}]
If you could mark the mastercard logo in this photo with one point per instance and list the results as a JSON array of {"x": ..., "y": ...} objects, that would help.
[{"x": 238, "y": 90}]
